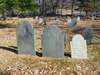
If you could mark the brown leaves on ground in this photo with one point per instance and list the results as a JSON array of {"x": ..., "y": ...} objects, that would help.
[{"x": 13, "y": 64}]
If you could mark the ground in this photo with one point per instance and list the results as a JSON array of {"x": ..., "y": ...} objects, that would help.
[{"x": 14, "y": 64}]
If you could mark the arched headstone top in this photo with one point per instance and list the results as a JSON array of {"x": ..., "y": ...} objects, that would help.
[
  {"x": 78, "y": 18},
  {"x": 24, "y": 22},
  {"x": 87, "y": 33},
  {"x": 72, "y": 22},
  {"x": 78, "y": 37},
  {"x": 52, "y": 28},
  {"x": 24, "y": 27}
]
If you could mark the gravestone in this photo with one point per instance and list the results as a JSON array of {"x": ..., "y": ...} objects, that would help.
[
  {"x": 78, "y": 18},
  {"x": 72, "y": 22},
  {"x": 88, "y": 34},
  {"x": 25, "y": 37},
  {"x": 53, "y": 42},
  {"x": 40, "y": 21},
  {"x": 93, "y": 16},
  {"x": 78, "y": 47},
  {"x": 68, "y": 20},
  {"x": 36, "y": 19}
]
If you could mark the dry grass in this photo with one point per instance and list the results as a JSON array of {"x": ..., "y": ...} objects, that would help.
[
  {"x": 67, "y": 66},
  {"x": 32, "y": 65}
]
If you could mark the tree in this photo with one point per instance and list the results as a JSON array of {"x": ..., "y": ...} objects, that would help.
[
  {"x": 26, "y": 6},
  {"x": 95, "y": 5},
  {"x": 73, "y": 1},
  {"x": 10, "y": 6},
  {"x": 89, "y": 5},
  {"x": 48, "y": 6},
  {"x": 2, "y": 8},
  {"x": 7, "y": 6}
]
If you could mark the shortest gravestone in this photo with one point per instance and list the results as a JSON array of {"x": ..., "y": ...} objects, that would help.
[
  {"x": 53, "y": 42},
  {"x": 25, "y": 37},
  {"x": 78, "y": 47}
]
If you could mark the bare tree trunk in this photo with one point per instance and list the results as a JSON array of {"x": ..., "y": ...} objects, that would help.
[
  {"x": 44, "y": 8},
  {"x": 61, "y": 6},
  {"x": 52, "y": 6},
  {"x": 94, "y": 1},
  {"x": 40, "y": 7},
  {"x": 3, "y": 14},
  {"x": 86, "y": 13},
  {"x": 72, "y": 7}
]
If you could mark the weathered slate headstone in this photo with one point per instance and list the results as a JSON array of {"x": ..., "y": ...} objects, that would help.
[
  {"x": 69, "y": 21},
  {"x": 78, "y": 47},
  {"x": 72, "y": 22},
  {"x": 53, "y": 42},
  {"x": 88, "y": 34},
  {"x": 78, "y": 18},
  {"x": 40, "y": 21},
  {"x": 93, "y": 18},
  {"x": 36, "y": 19},
  {"x": 25, "y": 37}
]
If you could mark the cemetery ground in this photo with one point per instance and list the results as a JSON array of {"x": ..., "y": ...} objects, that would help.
[{"x": 16, "y": 64}]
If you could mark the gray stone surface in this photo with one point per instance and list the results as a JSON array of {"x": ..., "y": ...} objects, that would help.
[
  {"x": 78, "y": 47},
  {"x": 25, "y": 38},
  {"x": 53, "y": 42},
  {"x": 88, "y": 34},
  {"x": 78, "y": 18},
  {"x": 72, "y": 22}
]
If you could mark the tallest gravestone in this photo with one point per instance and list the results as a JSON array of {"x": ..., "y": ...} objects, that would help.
[
  {"x": 25, "y": 38},
  {"x": 53, "y": 42}
]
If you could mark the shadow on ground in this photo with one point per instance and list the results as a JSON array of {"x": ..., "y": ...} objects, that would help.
[
  {"x": 6, "y": 26},
  {"x": 14, "y": 49},
  {"x": 11, "y": 48}
]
